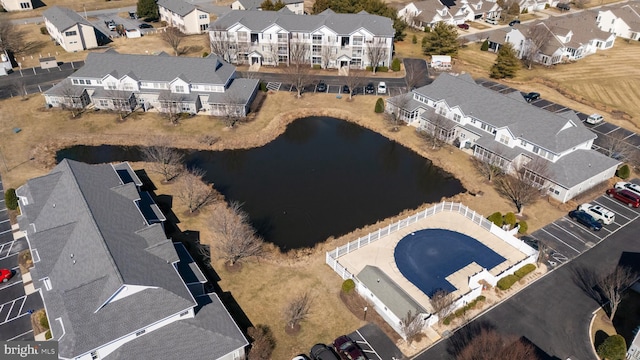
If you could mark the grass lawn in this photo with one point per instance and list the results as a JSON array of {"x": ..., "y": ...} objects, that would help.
[{"x": 79, "y": 6}]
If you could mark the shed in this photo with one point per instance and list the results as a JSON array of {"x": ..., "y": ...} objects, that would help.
[
  {"x": 441, "y": 62},
  {"x": 48, "y": 62}
]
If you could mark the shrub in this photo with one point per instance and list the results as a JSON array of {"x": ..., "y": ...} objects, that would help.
[
  {"x": 11, "y": 199},
  {"x": 510, "y": 218},
  {"x": 395, "y": 64},
  {"x": 47, "y": 335},
  {"x": 43, "y": 30},
  {"x": 205, "y": 54},
  {"x": 317, "y": 66},
  {"x": 496, "y": 218},
  {"x": 546, "y": 6},
  {"x": 379, "y": 106},
  {"x": 623, "y": 172},
  {"x": 348, "y": 286},
  {"x": 263, "y": 86},
  {"x": 481, "y": 298},
  {"x": 382, "y": 69},
  {"x": 44, "y": 322},
  {"x": 524, "y": 270},
  {"x": 507, "y": 281},
  {"x": 447, "y": 320},
  {"x": 414, "y": 39},
  {"x": 460, "y": 312},
  {"x": 369, "y": 68},
  {"x": 523, "y": 227},
  {"x": 525, "y": 11},
  {"x": 424, "y": 41},
  {"x": 613, "y": 348},
  {"x": 485, "y": 45}
]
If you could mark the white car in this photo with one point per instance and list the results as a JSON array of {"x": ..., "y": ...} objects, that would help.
[
  {"x": 594, "y": 119},
  {"x": 599, "y": 213},
  {"x": 628, "y": 186},
  {"x": 382, "y": 87}
]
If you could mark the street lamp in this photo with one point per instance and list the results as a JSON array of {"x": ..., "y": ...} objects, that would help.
[{"x": 365, "y": 313}]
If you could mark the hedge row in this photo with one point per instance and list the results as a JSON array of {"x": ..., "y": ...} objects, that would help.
[
  {"x": 460, "y": 312},
  {"x": 507, "y": 281}
]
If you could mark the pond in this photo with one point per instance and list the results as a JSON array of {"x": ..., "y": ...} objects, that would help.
[{"x": 322, "y": 177}]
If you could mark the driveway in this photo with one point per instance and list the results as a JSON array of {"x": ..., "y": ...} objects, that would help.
[{"x": 375, "y": 344}]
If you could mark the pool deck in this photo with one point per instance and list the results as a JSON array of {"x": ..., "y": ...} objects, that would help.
[{"x": 380, "y": 253}]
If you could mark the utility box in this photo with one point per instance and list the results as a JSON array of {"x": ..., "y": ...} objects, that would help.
[{"x": 48, "y": 62}]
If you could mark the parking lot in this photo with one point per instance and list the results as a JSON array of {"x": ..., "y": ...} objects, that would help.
[
  {"x": 375, "y": 344},
  {"x": 567, "y": 238},
  {"x": 15, "y": 320}
]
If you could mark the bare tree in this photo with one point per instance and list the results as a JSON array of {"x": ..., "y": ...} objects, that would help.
[
  {"x": 328, "y": 54},
  {"x": 617, "y": 148},
  {"x": 442, "y": 303},
  {"x": 193, "y": 192},
  {"x": 298, "y": 71},
  {"x": 543, "y": 249},
  {"x": 263, "y": 342},
  {"x": 525, "y": 184},
  {"x": 414, "y": 74},
  {"x": 70, "y": 99},
  {"x": 12, "y": 39},
  {"x": 437, "y": 131},
  {"x": 165, "y": 160},
  {"x": 396, "y": 107},
  {"x": 233, "y": 111},
  {"x": 613, "y": 284},
  {"x": 171, "y": 105},
  {"x": 122, "y": 101},
  {"x": 173, "y": 37},
  {"x": 537, "y": 37},
  {"x": 411, "y": 326},
  {"x": 19, "y": 85},
  {"x": 221, "y": 45},
  {"x": 354, "y": 79},
  {"x": 297, "y": 309},
  {"x": 236, "y": 238},
  {"x": 490, "y": 164},
  {"x": 488, "y": 344},
  {"x": 376, "y": 52}
]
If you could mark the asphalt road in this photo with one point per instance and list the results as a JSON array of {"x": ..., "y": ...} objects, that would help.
[
  {"x": 554, "y": 312},
  {"x": 35, "y": 80}
]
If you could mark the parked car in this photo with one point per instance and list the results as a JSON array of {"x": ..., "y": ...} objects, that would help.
[
  {"x": 345, "y": 89},
  {"x": 111, "y": 25},
  {"x": 585, "y": 219},
  {"x": 628, "y": 186},
  {"x": 514, "y": 22},
  {"x": 492, "y": 21},
  {"x": 5, "y": 275},
  {"x": 370, "y": 89},
  {"x": 594, "y": 119},
  {"x": 463, "y": 26},
  {"x": 599, "y": 213},
  {"x": 145, "y": 26},
  {"x": 348, "y": 349},
  {"x": 133, "y": 33},
  {"x": 322, "y": 352},
  {"x": 133, "y": 15},
  {"x": 563, "y": 6},
  {"x": 321, "y": 87},
  {"x": 626, "y": 196},
  {"x": 382, "y": 87},
  {"x": 532, "y": 96}
]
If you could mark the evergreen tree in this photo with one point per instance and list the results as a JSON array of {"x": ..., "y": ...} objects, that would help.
[
  {"x": 279, "y": 4},
  {"x": 267, "y": 5},
  {"x": 379, "y": 106},
  {"x": 441, "y": 40},
  {"x": 507, "y": 64},
  {"x": 147, "y": 9},
  {"x": 485, "y": 46}
]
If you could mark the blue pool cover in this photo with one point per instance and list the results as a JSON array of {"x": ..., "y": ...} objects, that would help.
[{"x": 427, "y": 257}]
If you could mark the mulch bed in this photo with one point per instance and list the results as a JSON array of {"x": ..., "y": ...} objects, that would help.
[{"x": 356, "y": 304}]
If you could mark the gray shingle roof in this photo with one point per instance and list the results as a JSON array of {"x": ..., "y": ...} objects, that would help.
[
  {"x": 87, "y": 236},
  {"x": 255, "y": 4},
  {"x": 63, "y": 18},
  {"x": 583, "y": 27},
  {"x": 390, "y": 293},
  {"x": 629, "y": 15},
  {"x": 238, "y": 92},
  {"x": 179, "y": 7},
  {"x": 342, "y": 24},
  {"x": 576, "y": 167},
  {"x": 211, "y": 334},
  {"x": 209, "y": 70},
  {"x": 540, "y": 127}
]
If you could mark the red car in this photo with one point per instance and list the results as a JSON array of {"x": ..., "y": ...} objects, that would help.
[
  {"x": 626, "y": 196},
  {"x": 463, "y": 26},
  {"x": 348, "y": 349},
  {"x": 5, "y": 275}
]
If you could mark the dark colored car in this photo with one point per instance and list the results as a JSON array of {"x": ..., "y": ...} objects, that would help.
[
  {"x": 5, "y": 275},
  {"x": 133, "y": 15},
  {"x": 370, "y": 89},
  {"x": 145, "y": 26},
  {"x": 514, "y": 22},
  {"x": 463, "y": 26},
  {"x": 322, "y": 87},
  {"x": 345, "y": 89},
  {"x": 322, "y": 352},
  {"x": 532, "y": 96},
  {"x": 563, "y": 6},
  {"x": 626, "y": 196},
  {"x": 585, "y": 219},
  {"x": 348, "y": 349}
]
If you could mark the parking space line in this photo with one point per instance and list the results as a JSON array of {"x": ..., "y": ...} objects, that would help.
[
  {"x": 4, "y": 221},
  {"x": 13, "y": 303},
  {"x": 23, "y": 334},
  {"x": 5, "y": 232},
  {"x": 619, "y": 204},
  {"x": 557, "y": 238},
  {"x": 572, "y": 234},
  {"x": 617, "y": 214},
  {"x": 366, "y": 342}
]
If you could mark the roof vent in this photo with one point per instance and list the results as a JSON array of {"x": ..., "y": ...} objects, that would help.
[
  {"x": 71, "y": 255},
  {"x": 74, "y": 261},
  {"x": 54, "y": 205}
]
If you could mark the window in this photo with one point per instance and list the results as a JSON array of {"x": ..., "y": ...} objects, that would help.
[
  {"x": 103, "y": 103},
  {"x": 202, "y": 16},
  {"x": 180, "y": 88},
  {"x": 141, "y": 332},
  {"x": 25, "y": 5},
  {"x": 457, "y": 117},
  {"x": 94, "y": 355},
  {"x": 184, "y": 313},
  {"x": 536, "y": 149},
  {"x": 523, "y": 143},
  {"x": 81, "y": 81},
  {"x": 75, "y": 81},
  {"x": 70, "y": 33},
  {"x": 504, "y": 139}
]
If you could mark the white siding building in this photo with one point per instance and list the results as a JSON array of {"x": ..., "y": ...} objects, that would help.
[
  {"x": 509, "y": 132},
  {"x": 16, "y": 5},
  {"x": 70, "y": 30},
  {"x": 329, "y": 40},
  {"x": 623, "y": 21},
  {"x": 187, "y": 17},
  {"x": 295, "y": 6}
]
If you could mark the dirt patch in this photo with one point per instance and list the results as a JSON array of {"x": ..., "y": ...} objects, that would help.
[{"x": 356, "y": 305}]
